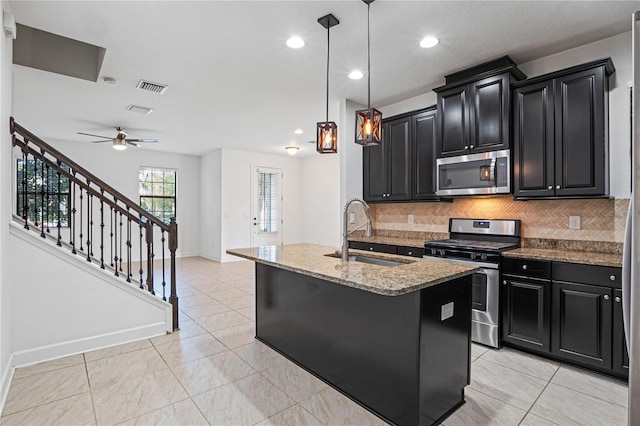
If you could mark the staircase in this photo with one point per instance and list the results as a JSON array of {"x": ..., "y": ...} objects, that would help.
[{"x": 84, "y": 216}]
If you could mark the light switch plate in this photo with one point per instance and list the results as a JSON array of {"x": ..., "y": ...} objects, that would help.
[
  {"x": 410, "y": 219},
  {"x": 446, "y": 311},
  {"x": 352, "y": 218}
]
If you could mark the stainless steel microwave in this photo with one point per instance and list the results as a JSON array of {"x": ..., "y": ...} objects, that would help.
[{"x": 475, "y": 174}]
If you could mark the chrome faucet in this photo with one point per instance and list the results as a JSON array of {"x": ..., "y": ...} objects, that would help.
[{"x": 345, "y": 234}]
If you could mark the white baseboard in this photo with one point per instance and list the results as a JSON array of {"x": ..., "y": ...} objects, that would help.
[
  {"x": 210, "y": 257},
  {"x": 7, "y": 376},
  {"x": 72, "y": 347}
]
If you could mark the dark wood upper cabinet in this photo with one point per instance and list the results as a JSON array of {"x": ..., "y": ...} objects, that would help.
[
  {"x": 402, "y": 167},
  {"x": 424, "y": 139},
  {"x": 560, "y": 133},
  {"x": 474, "y": 109}
]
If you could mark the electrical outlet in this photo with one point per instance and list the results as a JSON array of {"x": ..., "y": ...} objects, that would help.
[
  {"x": 574, "y": 222},
  {"x": 410, "y": 219},
  {"x": 352, "y": 218},
  {"x": 446, "y": 311}
]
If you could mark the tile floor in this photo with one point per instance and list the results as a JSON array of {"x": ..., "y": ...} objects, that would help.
[{"x": 214, "y": 372}]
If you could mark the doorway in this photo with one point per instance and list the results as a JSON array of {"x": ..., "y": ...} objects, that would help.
[{"x": 266, "y": 206}]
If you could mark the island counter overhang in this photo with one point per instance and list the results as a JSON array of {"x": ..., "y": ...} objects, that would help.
[{"x": 394, "y": 339}]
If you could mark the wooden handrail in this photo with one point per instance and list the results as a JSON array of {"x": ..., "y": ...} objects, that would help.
[{"x": 17, "y": 128}]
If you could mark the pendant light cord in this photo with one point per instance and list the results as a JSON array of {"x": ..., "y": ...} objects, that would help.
[
  {"x": 368, "y": 55},
  {"x": 327, "y": 115}
]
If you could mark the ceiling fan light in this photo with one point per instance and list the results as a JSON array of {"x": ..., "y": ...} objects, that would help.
[{"x": 119, "y": 144}]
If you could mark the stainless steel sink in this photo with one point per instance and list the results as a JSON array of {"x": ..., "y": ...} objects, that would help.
[{"x": 371, "y": 260}]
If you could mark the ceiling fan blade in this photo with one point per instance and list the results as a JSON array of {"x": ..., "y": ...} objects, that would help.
[
  {"x": 106, "y": 140},
  {"x": 97, "y": 136},
  {"x": 143, "y": 140},
  {"x": 132, "y": 144}
]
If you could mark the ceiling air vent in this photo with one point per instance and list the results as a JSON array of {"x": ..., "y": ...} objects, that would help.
[
  {"x": 140, "y": 109},
  {"x": 152, "y": 87}
]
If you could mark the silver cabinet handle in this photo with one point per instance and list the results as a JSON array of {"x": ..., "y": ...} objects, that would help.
[
  {"x": 410, "y": 253},
  {"x": 471, "y": 146},
  {"x": 612, "y": 277},
  {"x": 557, "y": 186},
  {"x": 466, "y": 147},
  {"x": 524, "y": 267},
  {"x": 370, "y": 248},
  {"x": 550, "y": 187},
  {"x": 504, "y": 282},
  {"x": 606, "y": 297},
  {"x": 617, "y": 299}
]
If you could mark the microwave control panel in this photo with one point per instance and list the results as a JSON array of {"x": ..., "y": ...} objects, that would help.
[{"x": 501, "y": 171}]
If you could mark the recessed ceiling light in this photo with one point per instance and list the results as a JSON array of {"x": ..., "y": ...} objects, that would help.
[
  {"x": 356, "y": 75},
  {"x": 298, "y": 131},
  {"x": 428, "y": 42},
  {"x": 295, "y": 42}
]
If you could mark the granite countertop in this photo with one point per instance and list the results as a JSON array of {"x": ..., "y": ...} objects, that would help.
[
  {"x": 396, "y": 241},
  {"x": 570, "y": 256},
  {"x": 310, "y": 259}
]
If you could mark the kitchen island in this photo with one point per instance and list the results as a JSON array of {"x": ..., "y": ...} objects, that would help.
[{"x": 395, "y": 339}]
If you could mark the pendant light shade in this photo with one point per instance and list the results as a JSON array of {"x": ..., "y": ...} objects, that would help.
[
  {"x": 368, "y": 121},
  {"x": 327, "y": 131}
]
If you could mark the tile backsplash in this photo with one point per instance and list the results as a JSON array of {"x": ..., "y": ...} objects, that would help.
[{"x": 601, "y": 219}]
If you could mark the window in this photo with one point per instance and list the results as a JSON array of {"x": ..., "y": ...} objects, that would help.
[
  {"x": 158, "y": 192},
  {"x": 47, "y": 199},
  {"x": 267, "y": 202}
]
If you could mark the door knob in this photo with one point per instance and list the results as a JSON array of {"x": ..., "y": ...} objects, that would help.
[
  {"x": 606, "y": 297},
  {"x": 612, "y": 277}
]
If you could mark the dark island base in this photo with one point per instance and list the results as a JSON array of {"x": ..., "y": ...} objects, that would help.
[{"x": 391, "y": 354}]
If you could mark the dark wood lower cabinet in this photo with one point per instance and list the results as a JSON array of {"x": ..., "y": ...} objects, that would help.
[
  {"x": 620, "y": 351},
  {"x": 380, "y": 248},
  {"x": 581, "y": 323},
  {"x": 526, "y": 312}
]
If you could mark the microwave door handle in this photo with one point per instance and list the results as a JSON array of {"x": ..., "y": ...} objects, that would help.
[{"x": 494, "y": 163}]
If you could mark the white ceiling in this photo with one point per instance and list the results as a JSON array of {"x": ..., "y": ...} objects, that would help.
[{"x": 233, "y": 83}]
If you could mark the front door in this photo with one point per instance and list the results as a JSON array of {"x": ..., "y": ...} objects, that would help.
[{"x": 266, "y": 206}]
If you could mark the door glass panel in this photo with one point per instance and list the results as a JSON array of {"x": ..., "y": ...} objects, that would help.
[{"x": 468, "y": 174}]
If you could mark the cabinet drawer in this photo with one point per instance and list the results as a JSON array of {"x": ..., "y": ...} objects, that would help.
[
  {"x": 527, "y": 267},
  {"x": 588, "y": 274},
  {"x": 380, "y": 248},
  {"x": 411, "y": 251}
]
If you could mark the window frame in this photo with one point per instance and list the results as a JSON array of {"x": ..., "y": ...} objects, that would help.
[{"x": 153, "y": 197}]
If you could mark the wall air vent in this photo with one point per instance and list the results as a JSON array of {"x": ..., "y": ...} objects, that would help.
[
  {"x": 152, "y": 87},
  {"x": 140, "y": 109}
]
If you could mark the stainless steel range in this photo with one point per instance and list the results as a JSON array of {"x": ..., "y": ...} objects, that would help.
[{"x": 479, "y": 242}]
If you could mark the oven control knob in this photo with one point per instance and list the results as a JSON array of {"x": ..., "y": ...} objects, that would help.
[
  {"x": 473, "y": 256},
  {"x": 441, "y": 252},
  {"x": 483, "y": 257},
  {"x": 433, "y": 251}
]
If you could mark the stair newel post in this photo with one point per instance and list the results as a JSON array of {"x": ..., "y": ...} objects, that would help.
[
  {"x": 164, "y": 283},
  {"x": 59, "y": 209},
  {"x": 73, "y": 214},
  {"x": 101, "y": 228},
  {"x": 140, "y": 271},
  {"x": 149, "y": 237},
  {"x": 25, "y": 178},
  {"x": 173, "y": 246},
  {"x": 128, "y": 246}
]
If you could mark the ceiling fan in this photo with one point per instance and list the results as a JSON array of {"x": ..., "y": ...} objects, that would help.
[{"x": 120, "y": 142}]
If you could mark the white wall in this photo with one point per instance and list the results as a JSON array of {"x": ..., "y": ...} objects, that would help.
[
  {"x": 6, "y": 91},
  {"x": 320, "y": 198},
  {"x": 77, "y": 314},
  {"x": 120, "y": 170},
  {"x": 236, "y": 198},
  {"x": 210, "y": 204},
  {"x": 350, "y": 153},
  {"x": 619, "y": 49}
]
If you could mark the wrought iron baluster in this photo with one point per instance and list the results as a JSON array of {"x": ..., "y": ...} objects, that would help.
[
  {"x": 129, "y": 275},
  {"x": 81, "y": 219},
  {"x": 149, "y": 237},
  {"x": 101, "y": 228},
  {"x": 89, "y": 221},
  {"x": 173, "y": 246},
  {"x": 140, "y": 258},
  {"x": 42, "y": 183},
  {"x": 48, "y": 204},
  {"x": 73, "y": 214},
  {"x": 59, "y": 209},
  {"x": 120, "y": 256},
  {"x": 113, "y": 257},
  {"x": 164, "y": 283},
  {"x": 25, "y": 177}
]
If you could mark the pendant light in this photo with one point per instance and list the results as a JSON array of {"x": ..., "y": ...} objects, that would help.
[
  {"x": 368, "y": 121},
  {"x": 327, "y": 131}
]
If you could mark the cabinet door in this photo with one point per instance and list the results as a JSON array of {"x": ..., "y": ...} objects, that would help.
[
  {"x": 581, "y": 323},
  {"x": 424, "y": 171},
  {"x": 398, "y": 146},
  {"x": 374, "y": 171},
  {"x": 620, "y": 352},
  {"x": 489, "y": 114},
  {"x": 526, "y": 312},
  {"x": 533, "y": 141},
  {"x": 580, "y": 133},
  {"x": 453, "y": 126}
]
